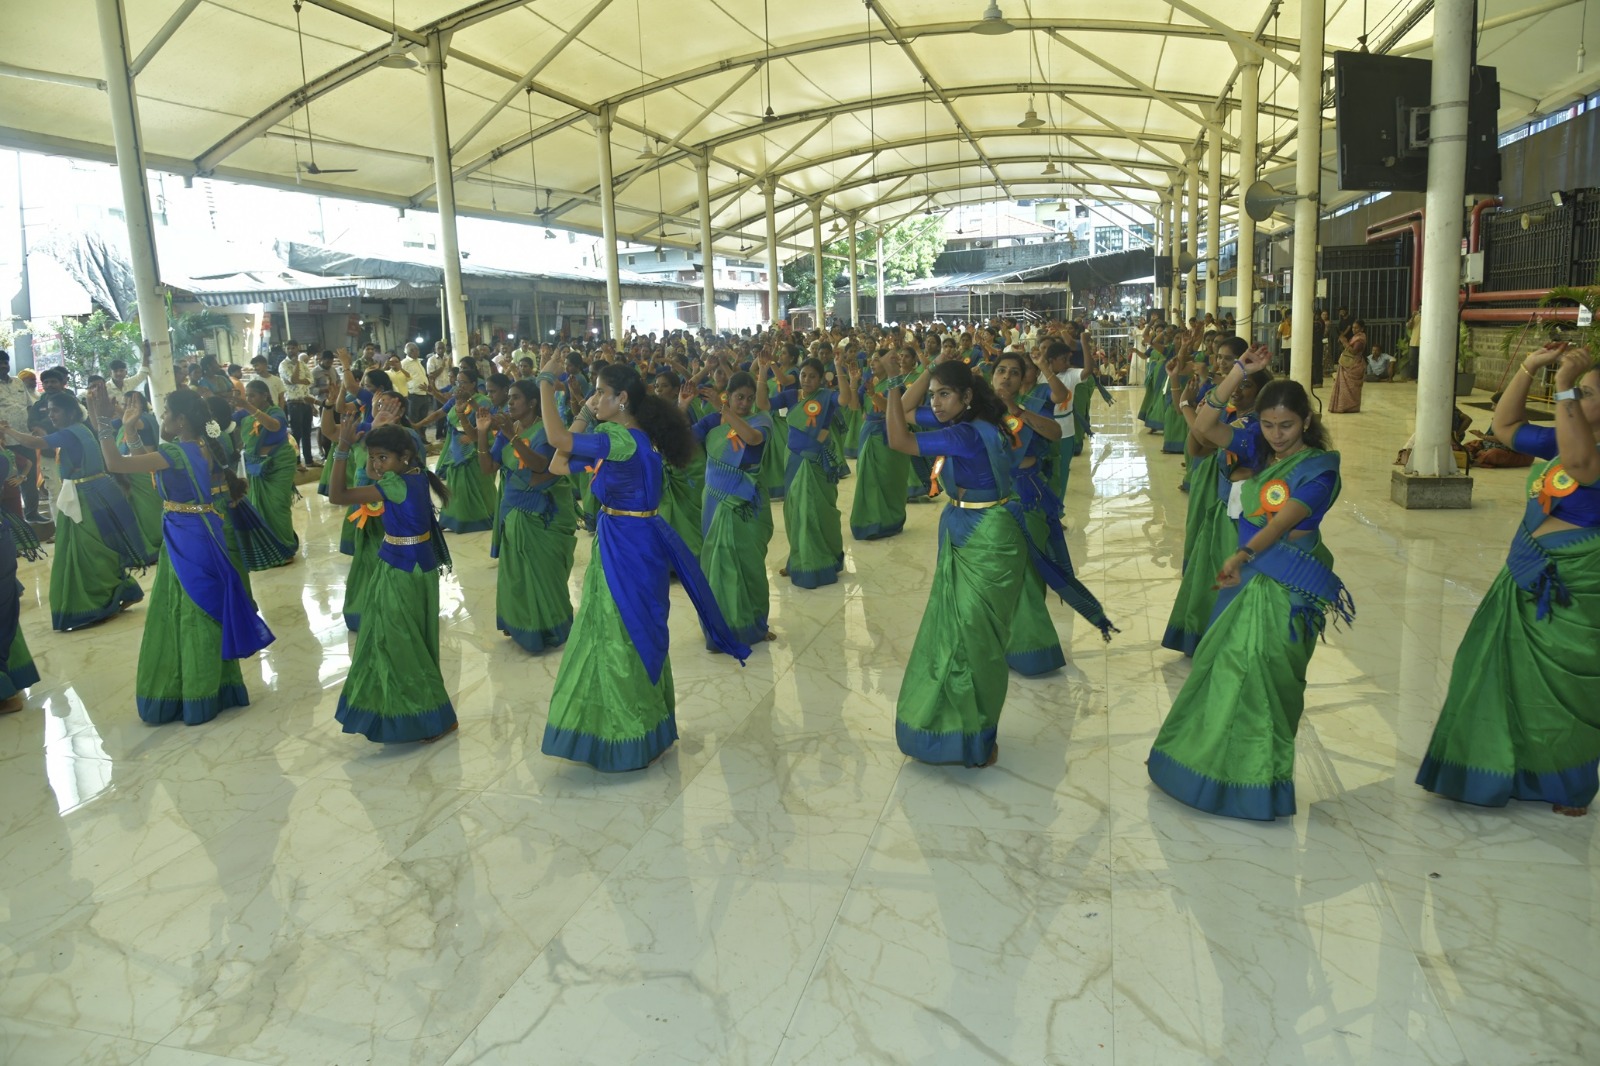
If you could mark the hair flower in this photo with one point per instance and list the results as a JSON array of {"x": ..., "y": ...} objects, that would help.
[{"x": 212, "y": 429}]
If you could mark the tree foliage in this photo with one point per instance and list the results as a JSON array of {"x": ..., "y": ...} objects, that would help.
[{"x": 910, "y": 249}]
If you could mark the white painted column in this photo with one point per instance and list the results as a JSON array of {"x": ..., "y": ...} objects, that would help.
[
  {"x": 1432, "y": 452},
  {"x": 135, "y": 194},
  {"x": 1175, "y": 246},
  {"x": 445, "y": 193},
  {"x": 1308, "y": 184},
  {"x": 608, "y": 223},
  {"x": 1191, "y": 233},
  {"x": 708, "y": 295},
  {"x": 1249, "y": 114},
  {"x": 774, "y": 312},
  {"x": 880, "y": 279},
  {"x": 855, "y": 301},
  {"x": 1213, "y": 213},
  {"x": 816, "y": 262}
]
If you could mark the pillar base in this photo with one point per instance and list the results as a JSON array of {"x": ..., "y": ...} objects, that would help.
[{"x": 1416, "y": 492}]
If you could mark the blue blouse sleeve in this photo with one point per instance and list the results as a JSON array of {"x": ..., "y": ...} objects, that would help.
[
  {"x": 240, "y": 415},
  {"x": 785, "y": 399},
  {"x": 497, "y": 450},
  {"x": 1317, "y": 495},
  {"x": 69, "y": 444},
  {"x": 924, "y": 416},
  {"x": 1536, "y": 441},
  {"x": 703, "y": 428},
  {"x": 958, "y": 440},
  {"x": 590, "y": 446}
]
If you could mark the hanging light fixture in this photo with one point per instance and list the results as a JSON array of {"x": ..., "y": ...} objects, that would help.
[
  {"x": 649, "y": 151},
  {"x": 398, "y": 57},
  {"x": 1050, "y": 169},
  {"x": 1030, "y": 118},
  {"x": 993, "y": 22}
]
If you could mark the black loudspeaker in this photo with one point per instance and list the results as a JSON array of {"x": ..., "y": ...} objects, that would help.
[
  {"x": 1381, "y": 123},
  {"x": 1163, "y": 271}
]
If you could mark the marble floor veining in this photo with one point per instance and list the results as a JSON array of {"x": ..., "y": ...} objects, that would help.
[{"x": 784, "y": 887}]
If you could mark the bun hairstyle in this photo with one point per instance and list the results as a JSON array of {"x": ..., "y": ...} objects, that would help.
[
  {"x": 661, "y": 421},
  {"x": 985, "y": 404},
  {"x": 397, "y": 440},
  {"x": 1291, "y": 396},
  {"x": 196, "y": 411},
  {"x": 528, "y": 389}
]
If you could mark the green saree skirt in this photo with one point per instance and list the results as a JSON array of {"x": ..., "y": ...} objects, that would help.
[{"x": 948, "y": 710}]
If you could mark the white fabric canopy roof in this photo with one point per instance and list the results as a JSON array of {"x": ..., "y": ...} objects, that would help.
[{"x": 881, "y": 109}]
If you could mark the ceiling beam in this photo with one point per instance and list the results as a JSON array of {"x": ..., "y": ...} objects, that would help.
[
  {"x": 927, "y": 79},
  {"x": 1249, "y": 44},
  {"x": 162, "y": 36},
  {"x": 1144, "y": 87}
]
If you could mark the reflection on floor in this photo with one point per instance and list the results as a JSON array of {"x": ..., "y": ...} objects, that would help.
[{"x": 785, "y": 887}]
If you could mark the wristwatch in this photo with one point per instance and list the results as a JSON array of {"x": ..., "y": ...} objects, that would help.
[{"x": 1567, "y": 394}]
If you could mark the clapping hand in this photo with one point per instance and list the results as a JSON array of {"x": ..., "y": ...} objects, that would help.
[{"x": 1254, "y": 359}]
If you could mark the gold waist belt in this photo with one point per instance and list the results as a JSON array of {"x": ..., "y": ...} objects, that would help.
[
  {"x": 187, "y": 508},
  {"x": 390, "y": 538},
  {"x": 628, "y": 514},
  {"x": 91, "y": 477},
  {"x": 978, "y": 505}
]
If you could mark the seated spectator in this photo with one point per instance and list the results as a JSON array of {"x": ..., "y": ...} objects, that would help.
[{"x": 1380, "y": 365}]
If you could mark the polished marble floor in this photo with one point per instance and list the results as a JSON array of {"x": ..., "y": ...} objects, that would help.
[{"x": 784, "y": 887}]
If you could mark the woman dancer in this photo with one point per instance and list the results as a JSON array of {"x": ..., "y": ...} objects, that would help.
[
  {"x": 538, "y": 522},
  {"x": 1521, "y": 719},
  {"x": 251, "y": 542},
  {"x": 738, "y": 518},
  {"x": 395, "y": 690},
  {"x": 470, "y": 501},
  {"x": 1227, "y": 745},
  {"x": 1351, "y": 376},
  {"x": 1229, "y": 456},
  {"x": 143, "y": 496},
  {"x": 1035, "y": 647},
  {"x": 811, "y": 482},
  {"x": 882, "y": 474},
  {"x": 269, "y": 463},
  {"x": 684, "y": 489},
  {"x": 613, "y": 701},
  {"x": 948, "y": 710},
  {"x": 17, "y": 670},
  {"x": 97, "y": 537},
  {"x": 201, "y": 620}
]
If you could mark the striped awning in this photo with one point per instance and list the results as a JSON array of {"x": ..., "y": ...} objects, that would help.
[{"x": 264, "y": 287}]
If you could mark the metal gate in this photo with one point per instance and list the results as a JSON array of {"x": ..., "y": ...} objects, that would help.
[{"x": 1372, "y": 282}]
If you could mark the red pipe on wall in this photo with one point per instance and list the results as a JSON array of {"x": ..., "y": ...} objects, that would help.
[
  {"x": 1475, "y": 232},
  {"x": 1414, "y": 227},
  {"x": 1519, "y": 296},
  {"x": 1395, "y": 221},
  {"x": 1519, "y": 314}
]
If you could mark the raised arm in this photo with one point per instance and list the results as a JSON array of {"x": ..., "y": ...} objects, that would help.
[
  {"x": 901, "y": 439},
  {"x": 1208, "y": 424},
  {"x": 1574, "y": 434},
  {"x": 1511, "y": 413},
  {"x": 100, "y": 409},
  {"x": 340, "y": 492}
]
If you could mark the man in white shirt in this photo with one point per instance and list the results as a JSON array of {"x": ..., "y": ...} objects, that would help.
[
  {"x": 262, "y": 372},
  {"x": 1063, "y": 378},
  {"x": 15, "y": 399},
  {"x": 122, "y": 382},
  {"x": 418, "y": 402}
]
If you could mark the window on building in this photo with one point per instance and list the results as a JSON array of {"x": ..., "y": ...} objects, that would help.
[
  {"x": 1143, "y": 234},
  {"x": 1108, "y": 238},
  {"x": 631, "y": 260}
]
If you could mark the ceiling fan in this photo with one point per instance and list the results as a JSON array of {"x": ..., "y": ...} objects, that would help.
[
  {"x": 768, "y": 115},
  {"x": 311, "y": 143}
]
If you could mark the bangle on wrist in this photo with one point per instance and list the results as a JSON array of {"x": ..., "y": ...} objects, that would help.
[
  {"x": 1526, "y": 371},
  {"x": 341, "y": 453},
  {"x": 1249, "y": 555}
]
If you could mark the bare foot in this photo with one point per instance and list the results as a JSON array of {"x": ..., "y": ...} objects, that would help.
[
  {"x": 994, "y": 756},
  {"x": 440, "y": 736},
  {"x": 12, "y": 705},
  {"x": 770, "y": 635},
  {"x": 783, "y": 571},
  {"x": 1570, "y": 812}
]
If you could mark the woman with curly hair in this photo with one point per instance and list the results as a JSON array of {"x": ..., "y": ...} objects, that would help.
[
  {"x": 613, "y": 701},
  {"x": 201, "y": 620},
  {"x": 948, "y": 710}
]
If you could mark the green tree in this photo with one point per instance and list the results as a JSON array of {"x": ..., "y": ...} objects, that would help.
[
  {"x": 910, "y": 249},
  {"x": 88, "y": 344}
]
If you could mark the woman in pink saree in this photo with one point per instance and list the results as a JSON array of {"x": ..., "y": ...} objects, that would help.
[{"x": 1351, "y": 374}]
